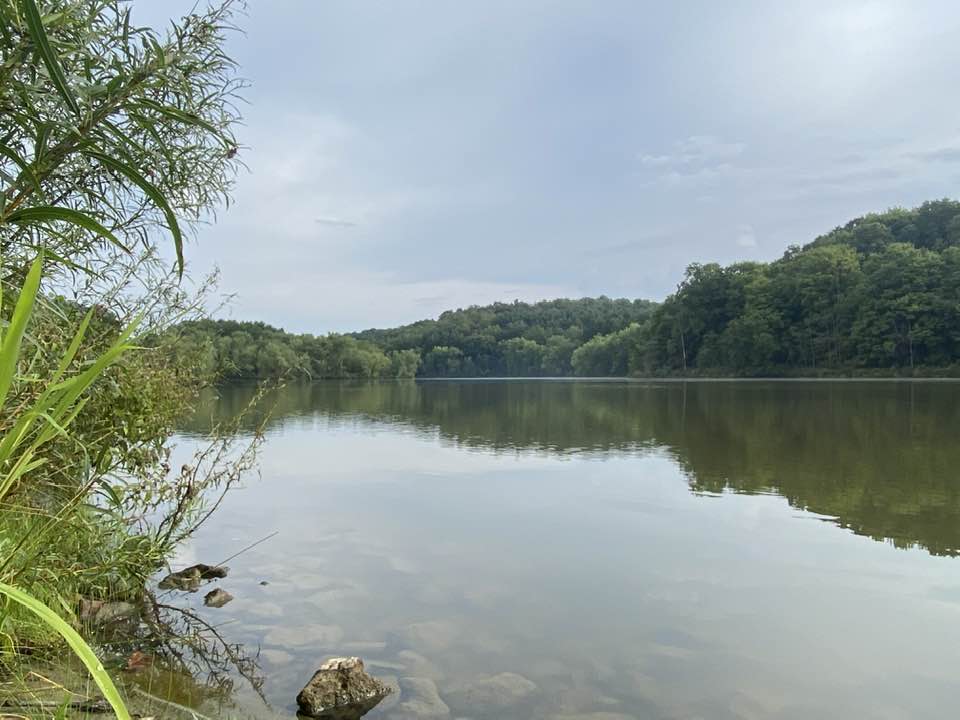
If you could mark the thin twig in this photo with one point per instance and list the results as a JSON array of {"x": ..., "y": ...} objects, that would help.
[{"x": 248, "y": 547}]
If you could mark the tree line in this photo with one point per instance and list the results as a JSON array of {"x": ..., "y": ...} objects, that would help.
[
  {"x": 879, "y": 295},
  {"x": 513, "y": 339},
  {"x": 232, "y": 350},
  {"x": 503, "y": 339}
]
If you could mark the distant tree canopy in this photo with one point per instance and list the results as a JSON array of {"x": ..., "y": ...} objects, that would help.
[
  {"x": 511, "y": 339},
  {"x": 254, "y": 350},
  {"x": 504, "y": 339},
  {"x": 880, "y": 294}
]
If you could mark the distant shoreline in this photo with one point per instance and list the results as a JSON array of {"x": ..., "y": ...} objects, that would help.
[{"x": 606, "y": 379}]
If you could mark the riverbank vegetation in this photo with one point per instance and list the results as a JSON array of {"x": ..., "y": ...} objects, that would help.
[
  {"x": 115, "y": 140},
  {"x": 877, "y": 296}
]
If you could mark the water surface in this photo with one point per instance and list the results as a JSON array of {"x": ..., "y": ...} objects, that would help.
[{"x": 629, "y": 550}]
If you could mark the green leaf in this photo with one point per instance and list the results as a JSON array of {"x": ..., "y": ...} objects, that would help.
[
  {"x": 71, "y": 351},
  {"x": 10, "y": 344},
  {"x": 111, "y": 492},
  {"x": 49, "y": 213},
  {"x": 186, "y": 118},
  {"x": 25, "y": 167},
  {"x": 151, "y": 192},
  {"x": 76, "y": 643},
  {"x": 39, "y": 35}
]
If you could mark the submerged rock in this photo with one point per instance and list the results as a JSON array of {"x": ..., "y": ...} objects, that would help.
[
  {"x": 416, "y": 665},
  {"x": 419, "y": 700},
  {"x": 495, "y": 692},
  {"x": 432, "y": 636},
  {"x": 341, "y": 689},
  {"x": 217, "y": 598},
  {"x": 101, "y": 612},
  {"x": 189, "y": 578}
]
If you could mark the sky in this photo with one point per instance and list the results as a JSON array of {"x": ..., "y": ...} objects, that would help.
[{"x": 406, "y": 157}]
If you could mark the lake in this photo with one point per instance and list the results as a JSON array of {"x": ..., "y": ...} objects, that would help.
[{"x": 600, "y": 550}]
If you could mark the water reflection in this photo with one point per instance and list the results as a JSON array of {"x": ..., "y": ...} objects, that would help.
[
  {"x": 878, "y": 458},
  {"x": 600, "y": 551}
]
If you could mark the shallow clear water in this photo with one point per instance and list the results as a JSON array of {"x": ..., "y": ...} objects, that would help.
[{"x": 632, "y": 550}]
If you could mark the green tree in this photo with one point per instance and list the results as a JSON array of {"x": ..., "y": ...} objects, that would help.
[
  {"x": 905, "y": 317},
  {"x": 522, "y": 357},
  {"x": 404, "y": 363},
  {"x": 444, "y": 361},
  {"x": 557, "y": 356}
]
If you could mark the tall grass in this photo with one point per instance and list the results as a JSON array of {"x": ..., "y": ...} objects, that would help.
[
  {"x": 112, "y": 136},
  {"x": 21, "y": 451}
]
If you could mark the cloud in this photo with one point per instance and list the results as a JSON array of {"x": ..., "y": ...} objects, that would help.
[
  {"x": 746, "y": 237},
  {"x": 646, "y": 242},
  {"x": 346, "y": 299},
  {"x": 943, "y": 154},
  {"x": 561, "y": 147},
  {"x": 696, "y": 151},
  {"x": 695, "y": 161},
  {"x": 334, "y": 222}
]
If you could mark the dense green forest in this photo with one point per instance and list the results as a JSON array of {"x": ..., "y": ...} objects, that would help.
[
  {"x": 253, "y": 350},
  {"x": 515, "y": 339},
  {"x": 880, "y": 295}
]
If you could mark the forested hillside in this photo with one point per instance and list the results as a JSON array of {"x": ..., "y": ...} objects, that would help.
[
  {"x": 881, "y": 293},
  {"x": 516, "y": 339},
  {"x": 878, "y": 295},
  {"x": 513, "y": 339}
]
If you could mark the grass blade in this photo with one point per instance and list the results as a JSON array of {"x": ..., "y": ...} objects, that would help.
[
  {"x": 76, "y": 643},
  {"x": 71, "y": 352},
  {"x": 10, "y": 347}
]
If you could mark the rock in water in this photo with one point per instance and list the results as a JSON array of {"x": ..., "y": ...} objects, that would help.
[
  {"x": 496, "y": 692},
  {"x": 189, "y": 578},
  {"x": 101, "y": 612},
  {"x": 419, "y": 700},
  {"x": 341, "y": 688},
  {"x": 217, "y": 598}
]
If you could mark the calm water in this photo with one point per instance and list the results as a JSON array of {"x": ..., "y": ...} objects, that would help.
[{"x": 629, "y": 550}]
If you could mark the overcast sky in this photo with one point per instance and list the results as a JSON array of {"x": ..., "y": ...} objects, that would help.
[{"x": 410, "y": 157}]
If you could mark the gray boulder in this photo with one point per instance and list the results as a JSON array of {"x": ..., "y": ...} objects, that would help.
[
  {"x": 341, "y": 689},
  {"x": 189, "y": 578},
  {"x": 217, "y": 598}
]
